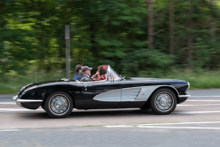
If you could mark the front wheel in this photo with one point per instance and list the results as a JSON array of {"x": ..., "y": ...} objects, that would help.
[
  {"x": 163, "y": 101},
  {"x": 58, "y": 104}
]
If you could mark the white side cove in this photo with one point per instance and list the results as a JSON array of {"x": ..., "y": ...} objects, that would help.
[
  {"x": 127, "y": 94},
  {"x": 145, "y": 93},
  {"x": 110, "y": 96},
  {"x": 130, "y": 94}
]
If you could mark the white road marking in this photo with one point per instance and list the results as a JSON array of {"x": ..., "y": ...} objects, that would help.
[
  {"x": 8, "y": 109},
  {"x": 204, "y": 100},
  {"x": 119, "y": 126},
  {"x": 163, "y": 126},
  {"x": 179, "y": 105},
  {"x": 9, "y": 130},
  {"x": 184, "y": 123},
  {"x": 193, "y": 128},
  {"x": 206, "y": 96},
  {"x": 196, "y": 112},
  {"x": 7, "y": 103}
]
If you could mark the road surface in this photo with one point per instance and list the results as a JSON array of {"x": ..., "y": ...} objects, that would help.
[{"x": 195, "y": 122}]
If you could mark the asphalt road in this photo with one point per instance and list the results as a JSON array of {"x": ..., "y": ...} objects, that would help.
[{"x": 195, "y": 122}]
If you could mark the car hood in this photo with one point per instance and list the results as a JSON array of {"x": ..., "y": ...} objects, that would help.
[{"x": 44, "y": 83}]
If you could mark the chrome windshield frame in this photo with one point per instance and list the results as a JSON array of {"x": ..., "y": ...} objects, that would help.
[{"x": 108, "y": 74}]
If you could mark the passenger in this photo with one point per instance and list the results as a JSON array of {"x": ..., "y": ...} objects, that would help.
[
  {"x": 101, "y": 74},
  {"x": 86, "y": 74},
  {"x": 78, "y": 73}
]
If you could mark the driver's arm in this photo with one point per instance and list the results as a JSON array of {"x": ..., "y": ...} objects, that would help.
[{"x": 95, "y": 75}]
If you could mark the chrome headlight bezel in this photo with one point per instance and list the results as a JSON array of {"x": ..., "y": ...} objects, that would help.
[{"x": 188, "y": 86}]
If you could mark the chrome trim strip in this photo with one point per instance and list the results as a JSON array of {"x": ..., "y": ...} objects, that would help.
[
  {"x": 184, "y": 95},
  {"x": 27, "y": 101}
]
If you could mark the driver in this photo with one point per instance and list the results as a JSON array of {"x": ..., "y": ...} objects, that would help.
[
  {"x": 86, "y": 74},
  {"x": 103, "y": 74}
]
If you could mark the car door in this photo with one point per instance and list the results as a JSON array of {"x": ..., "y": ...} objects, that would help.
[{"x": 101, "y": 94}]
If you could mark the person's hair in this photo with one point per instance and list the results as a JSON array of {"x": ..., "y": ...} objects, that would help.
[
  {"x": 103, "y": 71},
  {"x": 78, "y": 67}
]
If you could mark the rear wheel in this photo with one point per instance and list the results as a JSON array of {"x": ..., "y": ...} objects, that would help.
[
  {"x": 58, "y": 104},
  {"x": 163, "y": 101}
]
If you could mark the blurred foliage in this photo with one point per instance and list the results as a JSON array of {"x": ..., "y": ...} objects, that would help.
[
  {"x": 198, "y": 79},
  {"x": 110, "y": 32}
]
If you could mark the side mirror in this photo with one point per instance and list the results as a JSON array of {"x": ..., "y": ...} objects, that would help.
[{"x": 122, "y": 78}]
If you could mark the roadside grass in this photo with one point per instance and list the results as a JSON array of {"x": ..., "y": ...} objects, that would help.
[
  {"x": 200, "y": 79},
  {"x": 197, "y": 80}
]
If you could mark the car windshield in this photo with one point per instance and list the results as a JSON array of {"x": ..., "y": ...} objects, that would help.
[
  {"x": 112, "y": 74},
  {"x": 105, "y": 73}
]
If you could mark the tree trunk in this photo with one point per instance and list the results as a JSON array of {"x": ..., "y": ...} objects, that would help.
[
  {"x": 213, "y": 36},
  {"x": 1, "y": 25},
  {"x": 212, "y": 23},
  {"x": 171, "y": 34},
  {"x": 190, "y": 35},
  {"x": 150, "y": 36}
]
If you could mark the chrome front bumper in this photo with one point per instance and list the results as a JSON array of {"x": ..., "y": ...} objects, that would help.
[
  {"x": 16, "y": 98},
  {"x": 183, "y": 98},
  {"x": 19, "y": 101}
]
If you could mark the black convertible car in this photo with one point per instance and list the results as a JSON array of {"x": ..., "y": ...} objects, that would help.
[{"x": 58, "y": 98}]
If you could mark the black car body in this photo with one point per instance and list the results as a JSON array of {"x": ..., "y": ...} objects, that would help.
[{"x": 58, "y": 98}]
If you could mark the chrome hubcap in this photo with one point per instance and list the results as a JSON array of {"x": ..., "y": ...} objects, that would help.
[
  {"x": 59, "y": 104},
  {"x": 164, "y": 101}
]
